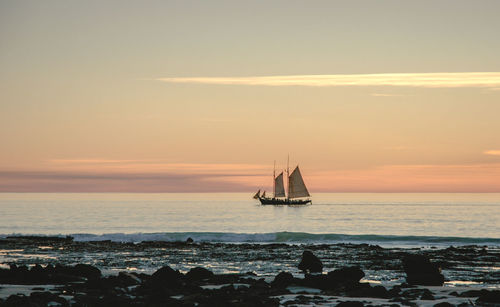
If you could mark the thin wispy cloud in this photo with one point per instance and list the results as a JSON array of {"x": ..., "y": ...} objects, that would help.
[
  {"x": 384, "y": 95},
  {"x": 155, "y": 166},
  {"x": 492, "y": 152},
  {"x": 432, "y": 80},
  {"x": 57, "y": 181}
]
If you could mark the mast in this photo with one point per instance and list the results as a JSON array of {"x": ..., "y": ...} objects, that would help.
[
  {"x": 288, "y": 173},
  {"x": 274, "y": 178}
]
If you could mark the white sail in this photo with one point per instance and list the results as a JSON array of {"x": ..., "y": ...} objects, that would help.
[
  {"x": 279, "y": 187},
  {"x": 296, "y": 185},
  {"x": 257, "y": 195}
]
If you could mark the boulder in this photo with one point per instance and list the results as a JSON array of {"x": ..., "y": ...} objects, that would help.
[
  {"x": 365, "y": 290},
  {"x": 47, "y": 299},
  {"x": 350, "y": 304},
  {"x": 87, "y": 271},
  {"x": 199, "y": 273},
  {"x": 282, "y": 280},
  {"x": 317, "y": 281},
  {"x": 129, "y": 279},
  {"x": 347, "y": 275},
  {"x": 165, "y": 277},
  {"x": 347, "y": 278},
  {"x": 310, "y": 263},
  {"x": 64, "y": 273},
  {"x": 492, "y": 297},
  {"x": 421, "y": 271},
  {"x": 427, "y": 295}
]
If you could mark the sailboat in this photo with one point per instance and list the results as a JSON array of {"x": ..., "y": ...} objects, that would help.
[{"x": 297, "y": 190}]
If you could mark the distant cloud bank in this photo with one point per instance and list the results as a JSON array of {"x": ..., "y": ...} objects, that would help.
[{"x": 432, "y": 80}]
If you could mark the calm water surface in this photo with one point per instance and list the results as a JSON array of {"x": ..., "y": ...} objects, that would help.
[{"x": 391, "y": 214}]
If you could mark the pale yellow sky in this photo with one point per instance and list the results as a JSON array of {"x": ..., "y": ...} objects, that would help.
[{"x": 203, "y": 96}]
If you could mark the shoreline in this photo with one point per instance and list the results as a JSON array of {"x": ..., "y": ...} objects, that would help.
[{"x": 465, "y": 268}]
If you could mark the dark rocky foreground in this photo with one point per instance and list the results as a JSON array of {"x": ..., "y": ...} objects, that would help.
[{"x": 315, "y": 280}]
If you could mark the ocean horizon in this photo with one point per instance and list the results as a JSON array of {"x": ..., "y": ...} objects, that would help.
[{"x": 394, "y": 219}]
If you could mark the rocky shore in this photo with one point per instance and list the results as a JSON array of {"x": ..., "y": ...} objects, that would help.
[{"x": 312, "y": 278}]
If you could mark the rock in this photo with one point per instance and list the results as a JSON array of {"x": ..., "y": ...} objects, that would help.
[
  {"x": 36, "y": 299},
  {"x": 394, "y": 291},
  {"x": 347, "y": 278},
  {"x": 63, "y": 273},
  {"x": 316, "y": 281},
  {"x": 19, "y": 300},
  {"x": 38, "y": 274},
  {"x": 310, "y": 263},
  {"x": 417, "y": 293},
  {"x": 115, "y": 283},
  {"x": 427, "y": 295},
  {"x": 344, "y": 276},
  {"x": 470, "y": 293},
  {"x": 365, "y": 290},
  {"x": 420, "y": 271},
  {"x": 87, "y": 271},
  {"x": 350, "y": 304},
  {"x": 282, "y": 280},
  {"x": 492, "y": 296},
  {"x": 199, "y": 273},
  {"x": 129, "y": 279},
  {"x": 44, "y": 298},
  {"x": 189, "y": 240},
  {"x": 444, "y": 304},
  {"x": 165, "y": 277},
  {"x": 403, "y": 301}
]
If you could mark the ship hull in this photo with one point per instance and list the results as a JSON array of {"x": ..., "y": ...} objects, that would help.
[{"x": 284, "y": 201}]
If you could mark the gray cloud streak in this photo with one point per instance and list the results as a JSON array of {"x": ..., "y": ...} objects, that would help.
[{"x": 50, "y": 181}]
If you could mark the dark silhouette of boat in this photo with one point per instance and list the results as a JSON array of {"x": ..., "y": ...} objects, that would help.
[{"x": 297, "y": 190}]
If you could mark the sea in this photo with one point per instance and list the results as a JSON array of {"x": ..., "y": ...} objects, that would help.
[
  {"x": 385, "y": 219},
  {"x": 233, "y": 233}
]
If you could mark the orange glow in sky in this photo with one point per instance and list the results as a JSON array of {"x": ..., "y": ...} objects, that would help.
[{"x": 203, "y": 96}]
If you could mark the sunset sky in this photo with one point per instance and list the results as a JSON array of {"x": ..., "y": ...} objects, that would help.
[{"x": 203, "y": 96}]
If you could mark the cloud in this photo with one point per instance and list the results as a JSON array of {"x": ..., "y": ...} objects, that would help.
[
  {"x": 410, "y": 178},
  {"x": 384, "y": 95},
  {"x": 57, "y": 181},
  {"x": 115, "y": 175},
  {"x": 155, "y": 166},
  {"x": 432, "y": 80},
  {"x": 206, "y": 178},
  {"x": 492, "y": 152}
]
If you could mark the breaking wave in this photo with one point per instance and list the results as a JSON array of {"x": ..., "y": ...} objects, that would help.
[{"x": 287, "y": 238}]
